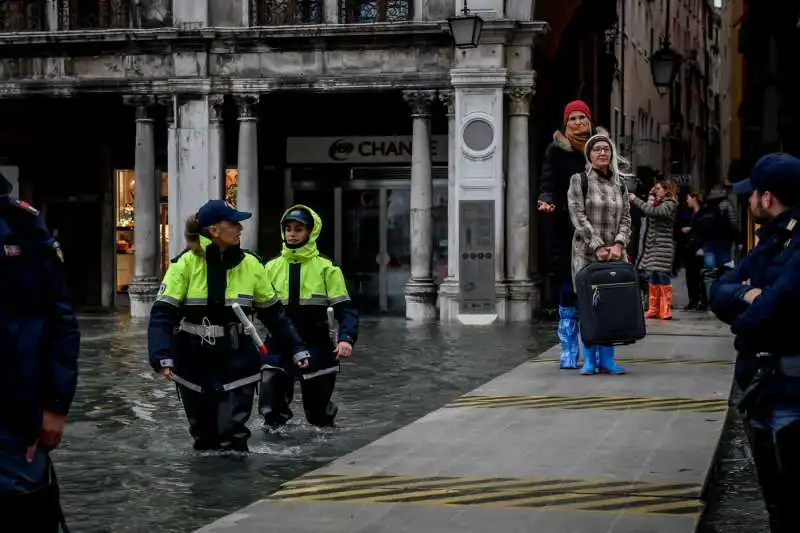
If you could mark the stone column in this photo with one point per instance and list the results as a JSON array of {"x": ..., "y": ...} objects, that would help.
[
  {"x": 247, "y": 194},
  {"x": 144, "y": 287},
  {"x": 448, "y": 290},
  {"x": 420, "y": 289},
  {"x": 518, "y": 207},
  {"x": 216, "y": 146}
]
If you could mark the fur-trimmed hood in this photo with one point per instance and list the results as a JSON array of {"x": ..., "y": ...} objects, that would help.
[{"x": 560, "y": 140}]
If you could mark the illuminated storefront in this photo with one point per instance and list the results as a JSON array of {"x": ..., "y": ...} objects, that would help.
[{"x": 125, "y": 209}]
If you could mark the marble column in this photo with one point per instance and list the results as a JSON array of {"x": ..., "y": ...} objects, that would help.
[
  {"x": 518, "y": 208},
  {"x": 448, "y": 290},
  {"x": 216, "y": 146},
  {"x": 144, "y": 287},
  {"x": 420, "y": 290},
  {"x": 247, "y": 193}
]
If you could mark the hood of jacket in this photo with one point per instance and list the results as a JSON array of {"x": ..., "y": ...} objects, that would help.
[
  {"x": 309, "y": 249},
  {"x": 560, "y": 140}
]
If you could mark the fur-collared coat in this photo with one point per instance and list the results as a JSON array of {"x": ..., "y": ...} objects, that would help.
[{"x": 561, "y": 162}]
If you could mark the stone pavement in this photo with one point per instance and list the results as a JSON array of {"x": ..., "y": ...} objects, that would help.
[{"x": 536, "y": 450}]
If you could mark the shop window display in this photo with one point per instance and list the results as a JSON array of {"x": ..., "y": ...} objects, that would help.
[{"x": 126, "y": 222}]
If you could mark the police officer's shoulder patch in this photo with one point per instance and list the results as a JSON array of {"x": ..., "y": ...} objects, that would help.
[
  {"x": 26, "y": 206},
  {"x": 162, "y": 289}
]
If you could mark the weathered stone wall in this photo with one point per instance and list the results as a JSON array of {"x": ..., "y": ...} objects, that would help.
[{"x": 228, "y": 59}]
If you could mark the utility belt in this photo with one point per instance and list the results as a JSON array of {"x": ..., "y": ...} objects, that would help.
[
  {"x": 768, "y": 365},
  {"x": 209, "y": 333}
]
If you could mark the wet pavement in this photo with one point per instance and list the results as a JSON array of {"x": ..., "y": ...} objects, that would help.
[{"x": 127, "y": 465}]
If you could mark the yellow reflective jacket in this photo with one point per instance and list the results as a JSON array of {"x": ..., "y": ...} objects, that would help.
[
  {"x": 199, "y": 290},
  {"x": 307, "y": 283}
]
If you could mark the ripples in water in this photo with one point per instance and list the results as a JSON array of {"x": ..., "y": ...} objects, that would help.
[{"x": 127, "y": 465}]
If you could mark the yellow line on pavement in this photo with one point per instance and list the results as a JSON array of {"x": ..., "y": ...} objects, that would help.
[
  {"x": 643, "y": 403},
  {"x": 541, "y": 493},
  {"x": 654, "y": 361}
]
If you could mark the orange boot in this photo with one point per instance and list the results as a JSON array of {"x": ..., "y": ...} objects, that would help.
[
  {"x": 665, "y": 302},
  {"x": 654, "y": 294}
]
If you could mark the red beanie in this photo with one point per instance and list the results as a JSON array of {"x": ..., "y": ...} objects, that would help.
[{"x": 576, "y": 105}]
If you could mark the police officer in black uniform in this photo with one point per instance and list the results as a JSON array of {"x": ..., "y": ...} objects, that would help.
[
  {"x": 760, "y": 299},
  {"x": 39, "y": 344}
]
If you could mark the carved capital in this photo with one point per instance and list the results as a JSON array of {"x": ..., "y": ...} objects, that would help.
[
  {"x": 420, "y": 102},
  {"x": 448, "y": 98},
  {"x": 520, "y": 100},
  {"x": 143, "y": 104},
  {"x": 248, "y": 106},
  {"x": 168, "y": 103},
  {"x": 215, "y": 102}
]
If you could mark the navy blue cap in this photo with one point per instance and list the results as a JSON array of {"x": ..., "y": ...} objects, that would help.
[
  {"x": 215, "y": 211},
  {"x": 299, "y": 215},
  {"x": 778, "y": 173}
]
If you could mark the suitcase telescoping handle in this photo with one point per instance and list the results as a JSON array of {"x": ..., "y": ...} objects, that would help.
[{"x": 249, "y": 328}]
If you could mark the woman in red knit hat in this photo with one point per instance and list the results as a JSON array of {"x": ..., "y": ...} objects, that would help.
[{"x": 563, "y": 158}]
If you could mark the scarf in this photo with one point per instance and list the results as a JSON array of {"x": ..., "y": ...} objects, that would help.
[{"x": 577, "y": 136}]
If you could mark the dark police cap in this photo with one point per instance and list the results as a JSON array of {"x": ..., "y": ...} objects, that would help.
[
  {"x": 778, "y": 173},
  {"x": 215, "y": 211},
  {"x": 299, "y": 215}
]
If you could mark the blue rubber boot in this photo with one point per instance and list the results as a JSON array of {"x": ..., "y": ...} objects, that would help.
[
  {"x": 568, "y": 335},
  {"x": 590, "y": 360},
  {"x": 607, "y": 363}
]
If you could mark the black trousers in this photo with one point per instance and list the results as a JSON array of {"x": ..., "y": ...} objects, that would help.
[
  {"x": 777, "y": 461},
  {"x": 695, "y": 287},
  {"x": 277, "y": 392},
  {"x": 218, "y": 421}
]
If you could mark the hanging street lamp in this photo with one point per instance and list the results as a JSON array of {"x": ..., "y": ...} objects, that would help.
[
  {"x": 465, "y": 29},
  {"x": 664, "y": 65}
]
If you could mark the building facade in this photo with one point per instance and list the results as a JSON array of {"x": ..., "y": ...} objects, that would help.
[
  {"x": 666, "y": 135},
  {"x": 760, "y": 111},
  {"x": 121, "y": 118}
]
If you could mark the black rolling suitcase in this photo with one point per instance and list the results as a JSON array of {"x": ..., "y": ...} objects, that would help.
[{"x": 610, "y": 304}]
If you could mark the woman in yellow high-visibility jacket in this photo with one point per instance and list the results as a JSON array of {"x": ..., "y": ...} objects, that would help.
[{"x": 195, "y": 339}]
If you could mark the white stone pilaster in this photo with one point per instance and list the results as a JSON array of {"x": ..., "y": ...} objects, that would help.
[
  {"x": 448, "y": 290},
  {"x": 195, "y": 160},
  {"x": 420, "y": 289},
  {"x": 479, "y": 168},
  {"x": 247, "y": 194},
  {"x": 144, "y": 287},
  {"x": 522, "y": 293}
]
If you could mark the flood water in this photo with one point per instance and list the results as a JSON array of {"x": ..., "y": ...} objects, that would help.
[{"x": 127, "y": 465}]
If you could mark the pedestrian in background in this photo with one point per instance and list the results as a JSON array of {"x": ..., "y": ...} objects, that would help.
[
  {"x": 39, "y": 345},
  {"x": 564, "y": 158},
  {"x": 658, "y": 253},
  {"x": 195, "y": 339},
  {"x": 600, "y": 211},
  {"x": 759, "y": 299},
  {"x": 694, "y": 229}
]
